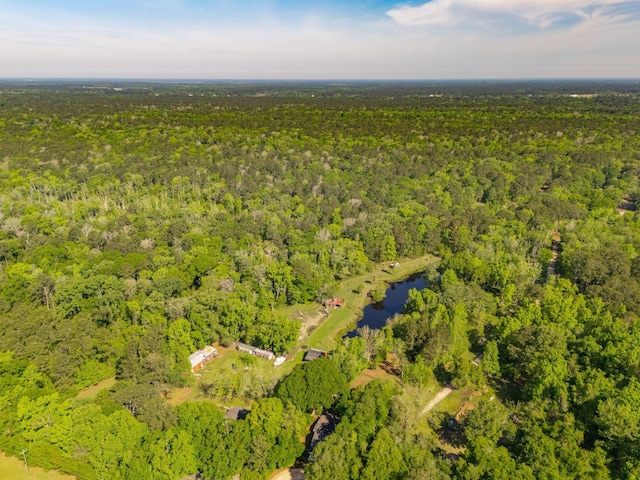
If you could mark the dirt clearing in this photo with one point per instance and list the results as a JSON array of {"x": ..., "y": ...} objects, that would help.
[{"x": 288, "y": 474}]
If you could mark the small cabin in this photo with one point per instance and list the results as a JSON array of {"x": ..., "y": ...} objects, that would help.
[
  {"x": 314, "y": 354},
  {"x": 334, "y": 303}
]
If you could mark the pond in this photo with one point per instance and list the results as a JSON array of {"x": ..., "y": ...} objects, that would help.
[{"x": 376, "y": 315}]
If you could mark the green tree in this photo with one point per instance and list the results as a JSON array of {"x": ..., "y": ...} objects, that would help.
[
  {"x": 384, "y": 459},
  {"x": 313, "y": 385},
  {"x": 490, "y": 360}
]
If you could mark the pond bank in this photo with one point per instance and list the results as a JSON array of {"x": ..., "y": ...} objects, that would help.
[
  {"x": 377, "y": 314},
  {"x": 355, "y": 292}
]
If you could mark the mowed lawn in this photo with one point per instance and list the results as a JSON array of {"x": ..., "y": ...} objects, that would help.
[
  {"x": 231, "y": 362},
  {"x": 12, "y": 468}
]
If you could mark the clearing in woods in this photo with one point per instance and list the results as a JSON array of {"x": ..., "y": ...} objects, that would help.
[
  {"x": 367, "y": 375},
  {"x": 441, "y": 395},
  {"x": 288, "y": 474},
  {"x": 354, "y": 293},
  {"x": 322, "y": 331},
  {"x": 93, "y": 390}
]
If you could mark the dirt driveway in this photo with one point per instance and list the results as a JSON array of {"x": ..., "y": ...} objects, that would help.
[{"x": 288, "y": 474}]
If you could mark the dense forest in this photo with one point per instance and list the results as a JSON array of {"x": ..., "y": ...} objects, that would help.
[{"x": 140, "y": 222}]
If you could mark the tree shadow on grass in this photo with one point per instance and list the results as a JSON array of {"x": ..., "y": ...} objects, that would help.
[{"x": 506, "y": 390}]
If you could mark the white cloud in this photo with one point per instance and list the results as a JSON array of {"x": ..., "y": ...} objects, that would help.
[
  {"x": 599, "y": 46},
  {"x": 537, "y": 12}
]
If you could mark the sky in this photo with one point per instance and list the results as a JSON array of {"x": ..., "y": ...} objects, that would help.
[{"x": 320, "y": 40}]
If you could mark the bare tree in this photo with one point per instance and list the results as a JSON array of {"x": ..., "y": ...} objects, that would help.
[{"x": 373, "y": 340}]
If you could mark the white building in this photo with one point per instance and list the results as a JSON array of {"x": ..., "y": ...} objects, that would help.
[{"x": 199, "y": 357}]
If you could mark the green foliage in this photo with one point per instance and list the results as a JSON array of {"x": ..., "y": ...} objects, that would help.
[
  {"x": 221, "y": 447},
  {"x": 274, "y": 332},
  {"x": 489, "y": 420},
  {"x": 384, "y": 459},
  {"x": 490, "y": 359},
  {"x": 276, "y": 430},
  {"x": 93, "y": 372},
  {"x": 335, "y": 458},
  {"x": 350, "y": 357},
  {"x": 110, "y": 442},
  {"x": 538, "y": 355},
  {"x": 136, "y": 227},
  {"x": 619, "y": 417},
  {"x": 166, "y": 455},
  {"x": 313, "y": 385},
  {"x": 268, "y": 439},
  {"x": 486, "y": 460},
  {"x": 360, "y": 447},
  {"x": 417, "y": 373}
]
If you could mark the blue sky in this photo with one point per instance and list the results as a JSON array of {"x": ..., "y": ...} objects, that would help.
[{"x": 324, "y": 39}]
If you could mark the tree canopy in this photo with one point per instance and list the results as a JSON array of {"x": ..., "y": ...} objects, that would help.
[{"x": 140, "y": 222}]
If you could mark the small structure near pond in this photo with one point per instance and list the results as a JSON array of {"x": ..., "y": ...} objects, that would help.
[
  {"x": 334, "y": 302},
  {"x": 200, "y": 357},
  {"x": 313, "y": 354}
]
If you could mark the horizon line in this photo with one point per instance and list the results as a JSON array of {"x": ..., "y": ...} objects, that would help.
[{"x": 313, "y": 80}]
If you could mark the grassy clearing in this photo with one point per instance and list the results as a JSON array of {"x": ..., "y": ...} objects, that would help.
[
  {"x": 231, "y": 360},
  {"x": 299, "y": 310},
  {"x": 325, "y": 336},
  {"x": 12, "y": 468},
  {"x": 451, "y": 403},
  {"x": 235, "y": 360},
  {"x": 179, "y": 395},
  {"x": 92, "y": 391},
  {"x": 369, "y": 375}
]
